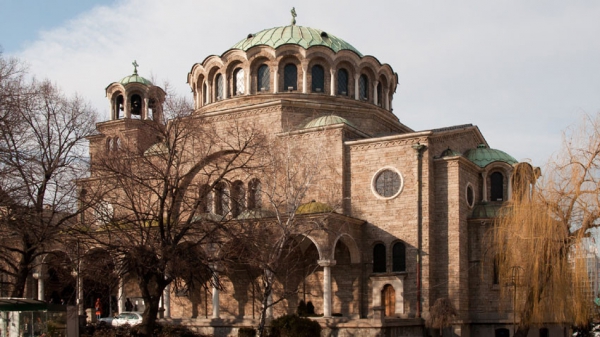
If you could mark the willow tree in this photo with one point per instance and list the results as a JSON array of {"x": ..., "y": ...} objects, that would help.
[{"x": 542, "y": 232}]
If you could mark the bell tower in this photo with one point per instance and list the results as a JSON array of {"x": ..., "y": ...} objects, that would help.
[
  {"x": 135, "y": 97},
  {"x": 136, "y": 118}
]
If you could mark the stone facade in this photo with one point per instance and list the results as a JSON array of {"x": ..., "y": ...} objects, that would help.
[{"x": 411, "y": 208}]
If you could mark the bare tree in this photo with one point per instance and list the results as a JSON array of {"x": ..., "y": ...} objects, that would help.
[
  {"x": 441, "y": 314},
  {"x": 539, "y": 236},
  {"x": 42, "y": 148},
  {"x": 150, "y": 213},
  {"x": 271, "y": 234}
]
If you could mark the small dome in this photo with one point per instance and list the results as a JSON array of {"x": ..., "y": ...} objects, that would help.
[
  {"x": 135, "y": 78},
  {"x": 254, "y": 214},
  {"x": 158, "y": 148},
  {"x": 305, "y": 37},
  {"x": 313, "y": 207},
  {"x": 327, "y": 120},
  {"x": 486, "y": 210},
  {"x": 482, "y": 156},
  {"x": 449, "y": 153}
]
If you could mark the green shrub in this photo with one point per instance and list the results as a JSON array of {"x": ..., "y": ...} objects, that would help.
[
  {"x": 246, "y": 332},
  {"x": 294, "y": 326}
]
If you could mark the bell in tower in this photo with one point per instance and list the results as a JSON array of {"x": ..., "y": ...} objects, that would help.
[{"x": 135, "y": 97}]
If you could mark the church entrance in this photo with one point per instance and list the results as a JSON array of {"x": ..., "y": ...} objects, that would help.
[{"x": 388, "y": 297}]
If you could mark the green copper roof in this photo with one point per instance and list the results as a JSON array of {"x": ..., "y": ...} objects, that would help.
[
  {"x": 135, "y": 78},
  {"x": 482, "y": 156},
  {"x": 313, "y": 207},
  {"x": 305, "y": 37},
  {"x": 326, "y": 120}
]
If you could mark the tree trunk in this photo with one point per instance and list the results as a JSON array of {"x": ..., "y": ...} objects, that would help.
[
  {"x": 152, "y": 289},
  {"x": 21, "y": 276}
]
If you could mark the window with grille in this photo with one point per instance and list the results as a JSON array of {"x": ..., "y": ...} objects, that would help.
[
  {"x": 363, "y": 84},
  {"x": 342, "y": 84},
  {"x": 387, "y": 183},
  {"x": 318, "y": 78},
  {"x": 379, "y": 258},
  {"x": 264, "y": 78},
  {"x": 220, "y": 87},
  {"x": 399, "y": 257},
  {"x": 290, "y": 77},
  {"x": 238, "y": 79}
]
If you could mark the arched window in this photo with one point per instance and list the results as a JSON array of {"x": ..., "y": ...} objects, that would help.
[
  {"x": 363, "y": 87},
  {"x": 342, "y": 82},
  {"x": 497, "y": 186},
  {"x": 238, "y": 196},
  {"x": 238, "y": 81},
  {"x": 399, "y": 257},
  {"x": 318, "y": 78},
  {"x": 119, "y": 107},
  {"x": 136, "y": 106},
  {"x": 379, "y": 264},
  {"x": 254, "y": 194},
  {"x": 117, "y": 144},
  {"x": 205, "y": 199},
  {"x": 388, "y": 300},
  {"x": 290, "y": 77},
  {"x": 264, "y": 78},
  {"x": 221, "y": 200},
  {"x": 496, "y": 271},
  {"x": 379, "y": 94},
  {"x": 220, "y": 87}
]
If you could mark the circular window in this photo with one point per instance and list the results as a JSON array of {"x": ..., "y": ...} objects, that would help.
[
  {"x": 387, "y": 183},
  {"x": 470, "y": 195}
]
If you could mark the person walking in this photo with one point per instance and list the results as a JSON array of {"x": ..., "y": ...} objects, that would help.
[
  {"x": 98, "y": 307},
  {"x": 128, "y": 305}
]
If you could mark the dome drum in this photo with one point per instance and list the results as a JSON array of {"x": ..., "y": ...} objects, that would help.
[{"x": 294, "y": 66}]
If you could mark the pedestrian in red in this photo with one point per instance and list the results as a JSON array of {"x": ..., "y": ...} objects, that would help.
[{"x": 98, "y": 307}]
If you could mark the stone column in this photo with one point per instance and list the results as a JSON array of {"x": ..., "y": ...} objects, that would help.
[
  {"x": 167, "y": 301},
  {"x": 484, "y": 194},
  {"x": 225, "y": 86},
  {"x": 39, "y": 276},
  {"x": 326, "y": 264},
  {"x": 145, "y": 111},
  {"x": 121, "y": 295},
  {"x": 275, "y": 80},
  {"x": 386, "y": 100},
  {"x": 126, "y": 107},
  {"x": 304, "y": 73},
  {"x": 356, "y": 88},
  {"x": 375, "y": 95},
  {"x": 332, "y": 82},
  {"x": 215, "y": 296},
  {"x": 248, "y": 81}
]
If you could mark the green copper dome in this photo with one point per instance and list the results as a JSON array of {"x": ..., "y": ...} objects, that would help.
[
  {"x": 305, "y": 37},
  {"x": 326, "y": 120},
  {"x": 482, "y": 156},
  {"x": 135, "y": 78}
]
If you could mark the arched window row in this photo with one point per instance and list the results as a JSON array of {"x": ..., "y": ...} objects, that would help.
[
  {"x": 138, "y": 104},
  {"x": 380, "y": 258},
  {"x": 113, "y": 144},
  {"x": 344, "y": 80},
  {"x": 230, "y": 199}
]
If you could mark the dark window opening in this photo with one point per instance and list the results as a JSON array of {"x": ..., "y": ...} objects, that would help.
[
  {"x": 254, "y": 194},
  {"x": 502, "y": 333},
  {"x": 136, "y": 106},
  {"x": 238, "y": 196},
  {"x": 363, "y": 87},
  {"x": 342, "y": 85},
  {"x": 399, "y": 257},
  {"x": 470, "y": 196},
  {"x": 497, "y": 186},
  {"x": 379, "y": 95},
  {"x": 318, "y": 79},
  {"x": 379, "y": 263},
  {"x": 264, "y": 78},
  {"x": 290, "y": 77}
]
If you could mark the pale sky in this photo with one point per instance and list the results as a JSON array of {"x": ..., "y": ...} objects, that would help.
[{"x": 520, "y": 70}]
